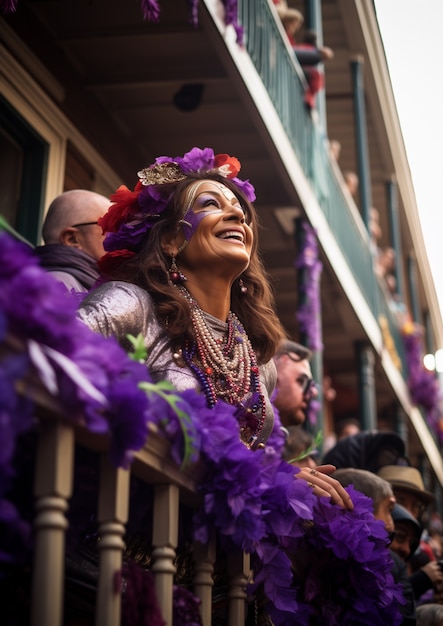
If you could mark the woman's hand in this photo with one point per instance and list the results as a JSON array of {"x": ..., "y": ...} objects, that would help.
[{"x": 324, "y": 485}]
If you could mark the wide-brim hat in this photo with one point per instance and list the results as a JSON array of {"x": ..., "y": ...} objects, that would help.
[{"x": 407, "y": 478}]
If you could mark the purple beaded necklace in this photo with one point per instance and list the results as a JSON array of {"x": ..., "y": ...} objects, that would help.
[{"x": 226, "y": 369}]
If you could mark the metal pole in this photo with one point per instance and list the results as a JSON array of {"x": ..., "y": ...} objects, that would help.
[
  {"x": 412, "y": 279},
  {"x": 368, "y": 411},
  {"x": 395, "y": 237},
  {"x": 361, "y": 139}
]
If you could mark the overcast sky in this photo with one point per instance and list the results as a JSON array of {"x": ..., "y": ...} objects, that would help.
[{"x": 413, "y": 41}]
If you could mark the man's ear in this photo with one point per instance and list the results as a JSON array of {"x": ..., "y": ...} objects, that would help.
[{"x": 70, "y": 237}]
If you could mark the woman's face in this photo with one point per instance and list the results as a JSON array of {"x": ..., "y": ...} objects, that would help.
[{"x": 216, "y": 227}]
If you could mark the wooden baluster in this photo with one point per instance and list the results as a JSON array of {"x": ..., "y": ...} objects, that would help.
[
  {"x": 164, "y": 539},
  {"x": 112, "y": 516},
  {"x": 239, "y": 572},
  {"x": 204, "y": 556},
  {"x": 53, "y": 487}
]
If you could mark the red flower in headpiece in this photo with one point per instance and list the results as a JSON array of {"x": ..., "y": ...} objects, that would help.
[
  {"x": 110, "y": 261},
  {"x": 125, "y": 204},
  {"x": 230, "y": 165}
]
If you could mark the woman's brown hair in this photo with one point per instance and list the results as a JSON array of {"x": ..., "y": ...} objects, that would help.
[{"x": 255, "y": 308}]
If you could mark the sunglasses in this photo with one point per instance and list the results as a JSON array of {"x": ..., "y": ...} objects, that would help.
[
  {"x": 306, "y": 383},
  {"x": 84, "y": 224}
]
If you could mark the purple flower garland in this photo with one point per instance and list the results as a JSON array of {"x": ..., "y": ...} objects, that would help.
[
  {"x": 151, "y": 13},
  {"x": 251, "y": 498},
  {"x": 422, "y": 384},
  {"x": 309, "y": 311}
]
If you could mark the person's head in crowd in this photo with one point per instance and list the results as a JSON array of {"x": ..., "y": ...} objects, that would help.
[
  {"x": 407, "y": 532},
  {"x": 281, "y": 6},
  {"x": 299, "y": 448},
  {"x": 374, "y": 225},
  {"x": 372, "y": 486},
  {"x": 335, "y": 149},
  {"x": 435, "y": 534},
  {"x": 408, "y": 487},
  {"x": 386, "y": 261},
  {"x": 295, "y": 385},
  {"x": 368, "y": 450},
  {"x": 352, "y": 182},
  {"x": 347, "y": 427},
  {"x": 292, "y": 21},
  {"x": 429, "y": 614},
  {"x": 72, "y": 219}
]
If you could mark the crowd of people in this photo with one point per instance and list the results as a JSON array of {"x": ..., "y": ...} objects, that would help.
[{"x": 180, "y": 268}]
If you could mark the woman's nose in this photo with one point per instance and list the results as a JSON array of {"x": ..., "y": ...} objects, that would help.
[{"x": 233, "y": 211}]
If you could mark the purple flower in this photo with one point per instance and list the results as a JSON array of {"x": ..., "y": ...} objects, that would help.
[
  {"x": 231, "y": 13},
  {"x": 422, "y": 384},
  {"x": 186, "y": 611},
  {"x": 196, "y": 160},
  {"x": 16, "y": 414},
  {"x": 309, "y": 312},
  {"x": 150, "y": 10},
  {"x": 246, "y": 187},
  {"x": 129, "y": 236}
]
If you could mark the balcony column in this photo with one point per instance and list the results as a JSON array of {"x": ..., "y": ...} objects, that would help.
[
  {"x": 314, "y": 21},
  {"x": 395, "y": 237},
  {"x": 366, "y": 361},
  {"x": 429, "y": 333},
  {"x": 361, "y": 138},
  {"x": 401, "y": 427},
  {"x": 412, "y": 280},
  {"x": 204, "y": 557},
  {"x": 165, "y": 539},
  {"x": 239, "y": 570},
  {"x": 113, "y": 507},
  {"x": 53, "y": 488}
]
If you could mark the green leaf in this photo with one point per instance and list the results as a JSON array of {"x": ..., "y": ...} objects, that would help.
[
  {"x": 315, "y": 444},
  {"x": 164, "y": 389},
  {"x": 139, "y": 352}
]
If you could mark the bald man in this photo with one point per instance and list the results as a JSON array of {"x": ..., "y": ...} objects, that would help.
[{"x": 73, "y": 239}]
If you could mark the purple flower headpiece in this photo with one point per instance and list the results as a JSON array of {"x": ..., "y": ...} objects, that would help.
[{"x": 134, "y": 212}]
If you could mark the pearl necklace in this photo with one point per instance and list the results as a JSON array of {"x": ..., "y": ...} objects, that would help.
[{"x": 226, "y": 369}]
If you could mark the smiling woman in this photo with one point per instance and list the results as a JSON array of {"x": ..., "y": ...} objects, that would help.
[{"x": 184, "y": 273}]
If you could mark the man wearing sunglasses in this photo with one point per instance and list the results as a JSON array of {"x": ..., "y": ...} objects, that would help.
[
  {"x": 295, "y": 385},
  {"x": 73, "y": 239}
]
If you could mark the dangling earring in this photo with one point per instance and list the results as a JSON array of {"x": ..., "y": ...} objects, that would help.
[
  {"x": 175, "y": 276},
  {"x": 242, "y": 286}
]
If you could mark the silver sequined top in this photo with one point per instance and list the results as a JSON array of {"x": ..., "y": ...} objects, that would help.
[{"x": 118, "y": 309}]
